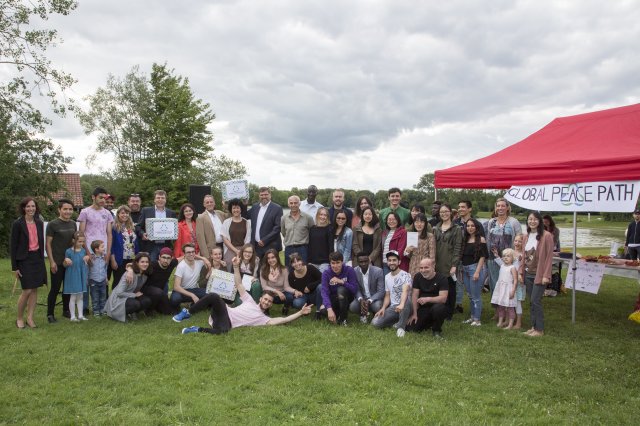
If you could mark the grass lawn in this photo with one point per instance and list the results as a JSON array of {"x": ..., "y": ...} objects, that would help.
[{"x": 146, "y": 372}]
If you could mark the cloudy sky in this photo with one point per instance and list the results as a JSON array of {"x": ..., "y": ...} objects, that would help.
[{"x": 361, "y": 94}]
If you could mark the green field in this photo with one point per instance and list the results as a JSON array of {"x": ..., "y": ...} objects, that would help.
[{"x": 146, "y": 372}]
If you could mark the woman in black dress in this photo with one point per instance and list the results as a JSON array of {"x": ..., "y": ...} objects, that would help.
[{"x": 27, "y": 258}]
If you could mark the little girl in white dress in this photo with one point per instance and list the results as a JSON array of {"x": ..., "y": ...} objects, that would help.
[{"x": 504, "y": 294}]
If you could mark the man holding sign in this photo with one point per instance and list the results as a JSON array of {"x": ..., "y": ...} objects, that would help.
[{"x": 249, "y": 313}]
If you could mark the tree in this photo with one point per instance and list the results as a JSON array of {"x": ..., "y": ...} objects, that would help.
[
  {"x": 22, "y": 49},
  {"x": 30, "y": 166},
  {"x": 158, "y": 133}
]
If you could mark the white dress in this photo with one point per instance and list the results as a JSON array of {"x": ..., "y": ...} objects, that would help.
[{"x": 503, "y": 288}]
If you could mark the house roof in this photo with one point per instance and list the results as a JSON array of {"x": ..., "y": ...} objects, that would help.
[{"x": 71, "y": 188}]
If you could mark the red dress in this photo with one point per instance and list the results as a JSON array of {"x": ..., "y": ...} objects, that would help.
[{"x": 185, "y": 235}]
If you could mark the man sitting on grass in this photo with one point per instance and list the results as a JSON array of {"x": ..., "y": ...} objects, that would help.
[{"x": 249, "y": 313}]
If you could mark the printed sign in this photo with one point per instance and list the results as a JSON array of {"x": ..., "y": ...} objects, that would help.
[
  {"x": 588, "y": 276},
  {"x": 234, "y": 189},
  {"x": 577, "y": 197},
  {"x": 222, "y": 283},
  {"x": 160, "y": 229}
]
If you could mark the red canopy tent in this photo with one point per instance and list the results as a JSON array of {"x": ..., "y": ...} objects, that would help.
[{"x": 597, "y": 146}]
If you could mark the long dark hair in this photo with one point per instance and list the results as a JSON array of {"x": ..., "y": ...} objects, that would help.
[
  {"x": 477, "y": 238},
  {"x": 181, "y": 214},
  {"x": 23, "y": 205},
  {"x": 540, "y": 229},
  {"x": 340, "y": 236},
  {"x": 264, "y": 272},
  {"x": 420, "y": 209},
  {"x": 359, "y": 212},
  {"x": 374, "y": 217},
  {"x": 422, "y": 218},
  {"x": 136, "y": 261},
  {"x": 252, "y": 261},
  {"x": 552, "y": 223}
]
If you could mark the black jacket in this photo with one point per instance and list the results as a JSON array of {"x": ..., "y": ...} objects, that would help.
[{"x": 20, "y": 240}]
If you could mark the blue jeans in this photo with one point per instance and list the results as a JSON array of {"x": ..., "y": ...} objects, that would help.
[
  {"x": 177, "y": 298},
  {"x": 474, "y": 288},
  {"x": 301, "y": 250},
  {"x": 307, "y": 298},
  {"x": 98, "y": 295},
  {"x": 460, "y": 286}
]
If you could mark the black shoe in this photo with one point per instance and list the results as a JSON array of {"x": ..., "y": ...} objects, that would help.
[
  {"x": 51, "y": 319},
  {"x": 132, "y": 317},
  {"x": 66, "y": 314},
  {"x": 459, "y": 309},
  {"x": 285, "y": 310}
]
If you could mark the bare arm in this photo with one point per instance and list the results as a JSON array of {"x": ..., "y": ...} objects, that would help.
[
  {"x": 306, "y": 309},
  {"x": 237, "y": 277}
]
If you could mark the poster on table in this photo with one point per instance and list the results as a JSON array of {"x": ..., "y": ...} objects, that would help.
[
  {"x": 588, "y": 276},
  {"x": 231, "y": 189},
  {"x": 222, "y": 283},
  {"x": 620, "y": 196},
  {"x": 161, "y": 229}
]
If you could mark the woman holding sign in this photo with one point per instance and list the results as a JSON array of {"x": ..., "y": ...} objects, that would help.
[
  {"x": 535, "y": 270},
  {"x": 236, "y": 231}
]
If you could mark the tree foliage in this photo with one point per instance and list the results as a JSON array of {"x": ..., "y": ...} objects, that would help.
[
  {"x": 22, "y": 52},
  {"x": 30, "y": 166},
  {"x": 157, "y": 131}
]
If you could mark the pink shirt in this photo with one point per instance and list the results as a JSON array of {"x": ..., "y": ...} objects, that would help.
[
  {"x": 33, "y": 237},
  {"x": 96, "y": 224},
  {"x": 247, "y": 314}
]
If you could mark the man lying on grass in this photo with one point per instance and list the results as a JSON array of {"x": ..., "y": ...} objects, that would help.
[{"x": 249, "y": 313}]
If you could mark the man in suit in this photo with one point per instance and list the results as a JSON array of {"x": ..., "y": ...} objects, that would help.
[
  {"x": 371, "y": 290},
  {"x": 209, "y": 227},
  {"x": 158, "y": 210},
  {"x": 267, "y": 217}
]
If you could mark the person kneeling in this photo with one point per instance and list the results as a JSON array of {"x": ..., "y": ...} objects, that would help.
[
  {"x": 396, "y": 307},
  {"x": 430, "y": 291},
  {"x": 249, "y": 313}
]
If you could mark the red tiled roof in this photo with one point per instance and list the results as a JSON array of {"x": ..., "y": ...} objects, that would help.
[{"x": 71, "y": 188}]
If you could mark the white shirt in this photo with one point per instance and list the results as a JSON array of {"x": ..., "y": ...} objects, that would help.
[
  {"x": 188, "y": 274},
  {"x": 217, "y": 226},
  {"x": 394, "y": 284},
  {"x": 365, "y": 284},
  {"x": 310, "y": 209},
  {"x": 261, "y": 213}
]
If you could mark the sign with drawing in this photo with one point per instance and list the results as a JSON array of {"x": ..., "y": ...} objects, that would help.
[
  {"x": 231, "y": 189},
  {"x": 222, "y": 283},
  {"x": 588, "y": 276}
]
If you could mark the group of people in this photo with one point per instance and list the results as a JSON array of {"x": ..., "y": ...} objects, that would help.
[{"x": 397, "y": 268}]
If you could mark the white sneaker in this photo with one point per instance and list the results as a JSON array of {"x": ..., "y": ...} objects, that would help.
[
  {"x": 476, "y": 324},
  {"x": 363, "y": 319},
  {"x": 74, "y": 319},
  {"x": 468, "y": 321},
  {"x": 400, "y": 332},
  {"x": 83, "y": 319}
]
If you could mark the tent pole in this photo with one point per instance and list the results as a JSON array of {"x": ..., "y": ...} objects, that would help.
[{"x": 574, "y": 268}]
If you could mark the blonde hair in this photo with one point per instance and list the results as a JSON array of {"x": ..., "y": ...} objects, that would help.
[{"x": 509, "y": 252}]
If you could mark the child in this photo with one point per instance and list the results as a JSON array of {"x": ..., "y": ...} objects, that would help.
[
  {"x": 75, "y": 276},
  {"x": 98, "y": 278},
  {"x": 505, "y": 291},
  {"x": 520, "y": 290}
]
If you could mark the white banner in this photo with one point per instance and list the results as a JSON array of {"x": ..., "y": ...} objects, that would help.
[{"x": 579, "y": 197}]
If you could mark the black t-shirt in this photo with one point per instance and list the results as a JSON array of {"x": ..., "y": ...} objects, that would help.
[
  {"x": 432, "y": 287},
  {"x": 159, "y": 276},
  {"x": 311, "y": 279},
  {"x": 61, "y": 233}
]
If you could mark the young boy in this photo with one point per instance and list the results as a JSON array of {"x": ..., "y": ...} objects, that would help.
[{"x": 98, "y": 278}]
